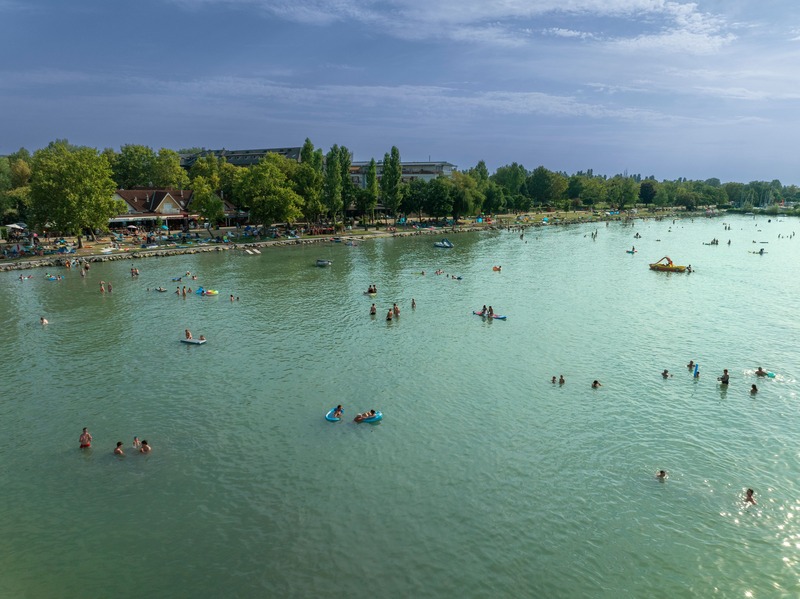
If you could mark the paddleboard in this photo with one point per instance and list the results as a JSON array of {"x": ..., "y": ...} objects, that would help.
[{"x": 194, "y": 341}]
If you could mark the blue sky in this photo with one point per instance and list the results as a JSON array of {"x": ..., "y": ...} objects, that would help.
[{"x": 664, "y": 88}]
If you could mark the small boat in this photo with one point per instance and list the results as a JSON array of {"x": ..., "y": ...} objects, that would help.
[
  {"x": 194, "y": 341},
  {"x": 666, "y": 265},
  {"x": 324, "y": 262},
  {"x": 444, "y": 243},
  {"x": 631, "y": 251},
  {"x": 331, "y": 418}
]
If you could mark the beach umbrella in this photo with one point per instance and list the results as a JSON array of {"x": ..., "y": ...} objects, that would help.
[
  {"x": 14, "y": 227},
  {"x": 132, "y": 227}
]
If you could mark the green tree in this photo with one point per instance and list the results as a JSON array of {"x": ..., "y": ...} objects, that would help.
[
  {"x": 415, "y": 197},
  {"x": 440, "y": 200},
  {"x": 268, "y": 193},
  {"x": 546, "y": 187},
  {"x": 511, "y": 177},
  {"x": 593, "y": 192},
  {"x": 647, "y": 191},
  {"x": 467, "y": 199},
  {"x": 207, "y": 203},
  {"x": 135, "y": 167},
  {"x": 373, "y": 188},
  {"x": 494, "y": 200},
  {"x": 308, "y": 185},
  {"x": 228, "y": 175},
  {"x": 206, "y": 166},
  {"x": 480, "y": 174},
  {"x": 391, "y": 175},
  {"x": 621, "y": 191},
  {"x": 167, "y": 170},
  {"x": 332, "y": 187},
  {"x": 348, "y": 187},
  {"x": 73, "y": 189},
  {"x": 5, "y": 174}
]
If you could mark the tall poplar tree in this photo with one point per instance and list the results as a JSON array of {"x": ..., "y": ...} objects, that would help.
[
  {"x": 390, "y": 181},
  {"x": 332, "y": 189}
]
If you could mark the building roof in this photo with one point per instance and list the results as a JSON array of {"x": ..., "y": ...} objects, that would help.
[
  {"x": 241, "y": 157},
  {"x": 145, "y": 199}
]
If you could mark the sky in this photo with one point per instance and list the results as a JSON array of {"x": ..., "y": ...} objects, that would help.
[{"x": 705, "y": 89}]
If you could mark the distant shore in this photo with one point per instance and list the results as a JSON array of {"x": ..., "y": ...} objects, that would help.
[{"x": 95, "y": 253}]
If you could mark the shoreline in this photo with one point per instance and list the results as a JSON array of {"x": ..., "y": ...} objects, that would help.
[{"x": 532, "y": 220}]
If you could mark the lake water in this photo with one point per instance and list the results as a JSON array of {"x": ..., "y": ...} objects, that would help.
[{"x": 482, "y": 480}]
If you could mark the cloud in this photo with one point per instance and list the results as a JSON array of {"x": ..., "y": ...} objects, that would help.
[{"x": 679, "y": 26}]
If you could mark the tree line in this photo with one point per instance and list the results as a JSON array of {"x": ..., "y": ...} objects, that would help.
[{"x": 70, "y": 188}]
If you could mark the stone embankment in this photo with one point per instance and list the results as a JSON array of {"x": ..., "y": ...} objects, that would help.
[{"x": 135, "y": 254}]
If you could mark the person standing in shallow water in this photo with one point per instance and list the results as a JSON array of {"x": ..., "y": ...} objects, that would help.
[{"x": 85, "y": 439}]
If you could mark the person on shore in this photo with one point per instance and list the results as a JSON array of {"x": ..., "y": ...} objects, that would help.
[
  {"x": 761, "y": 372},
  {"x": 136, "y": 442},
  {"x": 661, "y": 475},
  {"x": 753, "y": 389},
  {"x": 725, "y": 378},
  {"x": 561, "y": 380},
  {"x": 596, "y": 384},
  {"x": 145, "y": 448},
  {"x": 188, "y": 334},
  {"x": 389, "y": 315},
  {"x": 43, "y": 320},
  {"x": 748, "y": 497},
  {"x": 85, "y": 439},
  {"x": 666, "y": 374},
  {"x": 373, "y": 310},
  {"x": 118, "y": 449}
]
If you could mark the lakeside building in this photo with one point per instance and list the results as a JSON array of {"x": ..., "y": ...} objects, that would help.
[
  {"x": 427, "y": 171},
  {"x": 146, "y": 205}
]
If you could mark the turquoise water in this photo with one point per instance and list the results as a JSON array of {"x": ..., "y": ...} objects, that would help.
[{"x": 483, "y": 480}]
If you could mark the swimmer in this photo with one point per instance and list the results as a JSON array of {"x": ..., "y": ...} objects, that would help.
[
  {"x": 136, "y": 442},
  {"x": 753, "y": 389},
  {"x": 561, "y": 380},
  {"x": 373, "y": 310},
  {"x": 85, "y": 439},
  {"x": 761, "y": 372},
  {"x": 389, "y": 315},
  {"x": 553, "y": 380},
  {"x": 748, "y": 497},
  {"x": 188, "y": 334},
  {"x": 483, "y": 310},
  {"x": 338, "y": 411},
  {"x": 666, "y": 374},
  {"x": 231, "y": 297},
  {"x": 43, "y": 320},
  {"x": 145, "y": 448},
  {"x": 118, "y": 449},
  {"x": 690, "y": 365},
  {"x": 596, "y": 384},
  {"x": 413, "y": 304},
  {"x": 202, "y": 337},
  {"x": 661, "y": 475},
  {"x": 724, "y": 378},
  {"x": 396, "y": 309},
  {"x": 491, "y": 311}
]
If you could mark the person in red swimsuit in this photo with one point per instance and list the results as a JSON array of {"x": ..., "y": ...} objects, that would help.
[{"x": 85, "y": 439}]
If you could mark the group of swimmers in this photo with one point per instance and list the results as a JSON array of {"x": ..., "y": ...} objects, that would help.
[
  {"x": 188, "y": 334},
  {"x": 661, "y": 475},
  {"x": 595, "y": 383},
  {"x": 85, "y": 441},
  {"x": 724, "y": 378},
  {"x": 486, "y": 311},
  {"x": 394, "y": 311}
]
